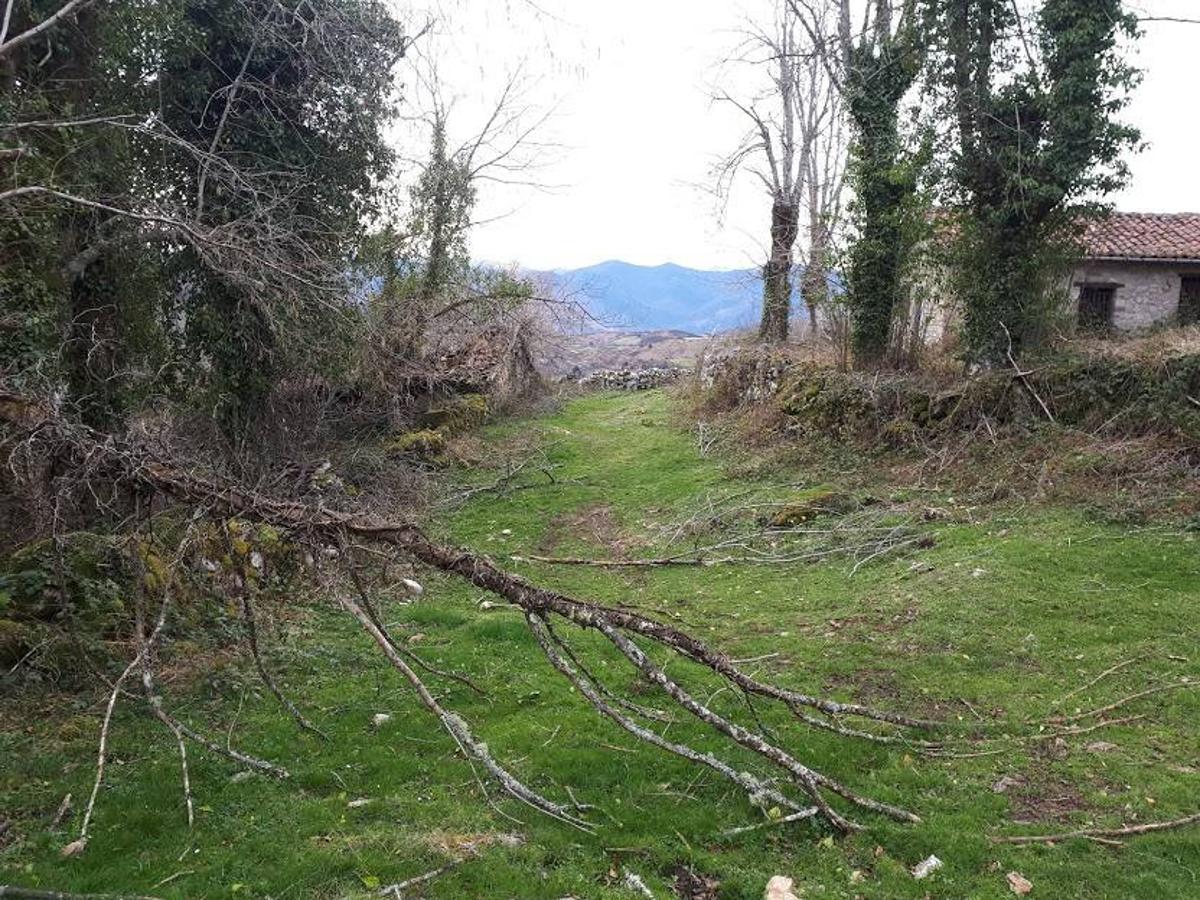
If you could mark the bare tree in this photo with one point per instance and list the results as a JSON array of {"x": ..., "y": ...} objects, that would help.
[
  {"x": 826, "y": 183},
  {"x": 791, "y": 148},
  {"x": 432, "y": 296}
]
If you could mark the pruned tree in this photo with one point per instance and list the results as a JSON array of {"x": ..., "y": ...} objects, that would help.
[{"x": 792, "y": 148}]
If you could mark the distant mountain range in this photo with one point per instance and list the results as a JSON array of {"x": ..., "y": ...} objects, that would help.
[{"x": 668, "y": 297}]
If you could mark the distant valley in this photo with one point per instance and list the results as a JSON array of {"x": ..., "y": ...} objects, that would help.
[
  {"x": 645, "y": 316},
  {"x": 611, "y": 349},
  {"x": 669, "y": 297}
]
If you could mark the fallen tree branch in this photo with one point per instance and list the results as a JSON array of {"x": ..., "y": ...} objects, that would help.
[
  {"x": 21, "y": 893},
  {"x": 397, "y": 890},
  {"x": 1023, "y": 377},
  {"x": 646, "y": 712},
  {"x": 782, "y": 820},
  {"x": 1160, "y": 689},
  {"x": 252, "y": 642},
  {"x": 458, "y": 729},
  {"x": 365, "y": 601},
  {"x": 617, "y": 563},
  {"x": 102, "y": 457},
  {"x": 102, "y": 752},
  {"x": 176, "y": 727},
  {"x": 187, "y": 781},
  {"x": 1111, "y": 670},
  {"x": 1104, "y": 833},
  {"x": 758, "y": 791}
]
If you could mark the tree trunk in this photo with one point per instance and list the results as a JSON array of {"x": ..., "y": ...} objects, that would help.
[
  {"x": 91, "y": 349},
  {"x": 815, "y": 285},
  {"x": 884, "y": 191},
  {"x": 777, "y": 273},
  {"x": 92, "y": 339}
]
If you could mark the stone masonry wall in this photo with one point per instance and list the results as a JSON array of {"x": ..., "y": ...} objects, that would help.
[{"x": 1146, "y": 294}]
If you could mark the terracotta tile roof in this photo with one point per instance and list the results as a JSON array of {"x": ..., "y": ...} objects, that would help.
[{"x": 1144, "y": 236}]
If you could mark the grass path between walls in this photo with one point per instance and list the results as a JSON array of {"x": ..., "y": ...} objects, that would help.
[{"x": 1008, "y": 613}]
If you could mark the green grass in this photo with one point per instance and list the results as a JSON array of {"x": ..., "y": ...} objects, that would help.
[{"x": 1011, "y": 610}]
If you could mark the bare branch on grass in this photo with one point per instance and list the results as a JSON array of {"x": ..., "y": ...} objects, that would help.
[
  {"x": 1102, "y": 833},
  {"x": 324, "y": 527},
  {"x": 249, "y": 618}
]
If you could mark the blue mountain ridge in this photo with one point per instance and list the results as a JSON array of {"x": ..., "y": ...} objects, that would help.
[{"x": 648, "y": 298}]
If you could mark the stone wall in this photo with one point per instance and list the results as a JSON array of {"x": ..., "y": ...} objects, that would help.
[
  {"x": 630, "y": 379},
  {"x": 1146, "y": 293},
  {"x": 753, "y": 374}
]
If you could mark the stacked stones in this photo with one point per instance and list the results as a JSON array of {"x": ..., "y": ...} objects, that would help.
[{"x": 630, "y": 379}]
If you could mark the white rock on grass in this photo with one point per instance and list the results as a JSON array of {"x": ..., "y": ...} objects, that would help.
[
  {"x": 780, "y": 888},
  {"x": 926, "y": 867}
]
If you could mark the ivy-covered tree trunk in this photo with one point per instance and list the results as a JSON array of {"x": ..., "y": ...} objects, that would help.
[
  {"x": 777, "y": 273},
  {"x": 1035, "y": 139},
  {"x": 884, "y": 191},
  {"x": 233, "y": 342},
  {"x": 90, "y": 273},
  {"x": 92, "y": 346}
]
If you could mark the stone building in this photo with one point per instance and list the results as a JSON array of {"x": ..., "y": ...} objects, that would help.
[{"x": 1138, "y": 270}]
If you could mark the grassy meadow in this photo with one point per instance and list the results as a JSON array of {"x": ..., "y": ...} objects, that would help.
[{"x": 1002, "y": 619}]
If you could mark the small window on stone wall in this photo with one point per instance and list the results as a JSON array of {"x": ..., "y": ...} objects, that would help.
[
  {"x": 1096, "y": 307},
  {"x": 1189, "y": 300}
]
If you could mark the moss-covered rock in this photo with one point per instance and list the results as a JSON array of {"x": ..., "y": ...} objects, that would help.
[
  {"x": 811, "y": 504},
  {"x": 79, "y": 577},
  {"x": 457, "y": 414},
  {"x": 426, "y": 443}
]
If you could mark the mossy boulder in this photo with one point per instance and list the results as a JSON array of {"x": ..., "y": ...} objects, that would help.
[
  {"x": 457, "y": 414},
  {"x": 900, "y": 433},
  {"x": 827, "y": 404},
  {"x": 810, "y": 505},
  {"x": 427, "y": 443},
  {"x": 80, "y": 577}
]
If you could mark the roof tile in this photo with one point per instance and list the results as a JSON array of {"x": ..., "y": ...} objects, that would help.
[{"x": 1144, "y": 236}]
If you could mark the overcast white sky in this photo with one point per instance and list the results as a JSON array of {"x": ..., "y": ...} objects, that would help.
[{"x": 637, "y": 133}]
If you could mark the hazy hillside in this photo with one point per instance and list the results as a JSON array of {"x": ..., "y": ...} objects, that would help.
[
  {"x": 620, "y": 349},
  {"x": 666, "y": 297}
]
